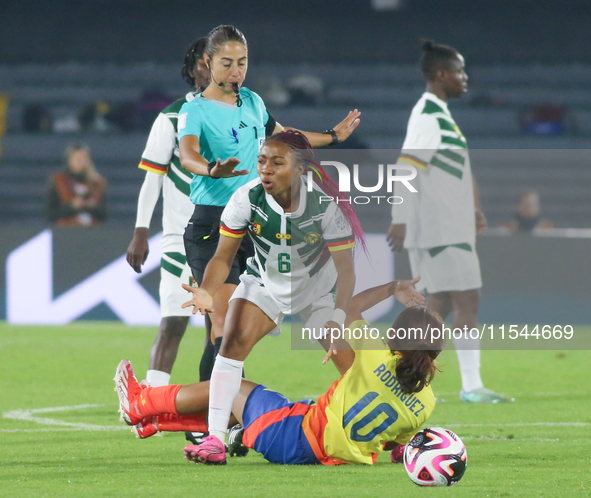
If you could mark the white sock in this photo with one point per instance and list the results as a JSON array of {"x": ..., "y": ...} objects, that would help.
[
  {"x": 223, "y": 389},
  {"x": 157, "y": 378},
  {"x": 469, "y": 359}
]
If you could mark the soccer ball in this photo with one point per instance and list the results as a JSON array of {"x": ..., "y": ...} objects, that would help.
[{"x": 435, "y": 457}]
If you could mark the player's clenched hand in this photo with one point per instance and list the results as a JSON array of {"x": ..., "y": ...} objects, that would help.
[
  {"x": 226, "y": 169},
  {"x": 481, "y": 223},
  {"x": 201, "y": 300},
  {"x": 138, "y": 249},
  {"x": 396, "y": 236},
  {"x": 406, "y": 293},
  {"x": 347, "y": 125}
]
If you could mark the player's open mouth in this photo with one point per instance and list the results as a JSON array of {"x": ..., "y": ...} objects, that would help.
[{"x": 267, "y": 184}]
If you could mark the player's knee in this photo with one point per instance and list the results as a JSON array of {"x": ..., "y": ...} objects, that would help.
[
  {"x": 466, "y": 301},
  {"x": 173, "y": 327},
  {"x": 237, "y": 343}
]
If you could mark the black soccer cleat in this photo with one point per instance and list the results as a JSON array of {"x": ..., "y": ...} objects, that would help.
[{"x": 235, "y": 446}]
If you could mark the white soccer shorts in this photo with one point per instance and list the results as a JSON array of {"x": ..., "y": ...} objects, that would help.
[
  {"x": 449, "y": 269},
  {"x": 172, "y": 295},
  {"x": 314, "y": 315}
]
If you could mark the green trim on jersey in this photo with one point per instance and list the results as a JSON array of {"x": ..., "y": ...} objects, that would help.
[
  {"x": 434, "y": 251},
  {"x": 446, "y": 167},
  {"x": 432, "y": 108},
  {"x": 454, "y": 141},
  {"x": 179, "y": 183},
  {"x": 303, "y": 234},
  {"x": 172, "y": 113},
  {"x": 453, "y": 156},
  {"x": 446, "y": 124},
  {"x": 170, "y": 268},
  {"x": 177, "y": 256}
]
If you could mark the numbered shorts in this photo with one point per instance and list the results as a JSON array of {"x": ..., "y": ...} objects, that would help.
[
  {"x": 174, "y": 272},
  {"x": 201, "y": 238},
  {"x": 273, "y": 427},
  {"x": 252, "y": 289},
  {"x": 446, "y": 268}
]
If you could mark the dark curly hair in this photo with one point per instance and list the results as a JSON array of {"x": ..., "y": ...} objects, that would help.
[{"x": 193, "y": 54}]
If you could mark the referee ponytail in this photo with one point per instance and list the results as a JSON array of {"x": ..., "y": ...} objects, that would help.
[
  {"x": 416, "y": 366},
  {"x": 302, "y": 149}
]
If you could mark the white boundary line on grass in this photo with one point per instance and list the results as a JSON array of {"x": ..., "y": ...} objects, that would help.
[
  {"x": 526, "y": 424},
  {"x": 28, "y": 416},
  {"x": 549, "y": 394}
]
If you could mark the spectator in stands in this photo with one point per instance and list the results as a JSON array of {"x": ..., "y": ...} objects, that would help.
[
  {"x": 76, "y": 194},
  {"x": 528, "y": 214}
]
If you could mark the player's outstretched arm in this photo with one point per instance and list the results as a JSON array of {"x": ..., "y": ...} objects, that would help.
[
  {"x": 403, "y": 290},
  {"x": 345, "y": 286},
  {"x": 216, "y": 273},
  {"x": 193, "y": 161},
  {"x": 138, "y": 249},
  {"x": 343, "y": 130}
]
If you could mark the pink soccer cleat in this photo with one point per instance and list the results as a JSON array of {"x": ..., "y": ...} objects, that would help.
[
  {"x": 128, "y": 389},
  {"x": 210, "y": 452},
  {"x": 397, "y": 454}
]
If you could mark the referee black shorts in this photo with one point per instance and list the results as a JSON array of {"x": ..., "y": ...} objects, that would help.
[{"x": 201, "y": 238}]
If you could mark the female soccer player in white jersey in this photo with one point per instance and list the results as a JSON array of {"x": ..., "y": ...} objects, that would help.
[
  {"x": 302, "y": 247},
  {"x": 223, "y": 127},
  {"x": 165, "y": 174},
  {"x": 439, "y": 223}
]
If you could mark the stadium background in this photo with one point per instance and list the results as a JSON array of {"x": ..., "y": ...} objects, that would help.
[
  {"x": 99, "y": 57},
  {"x": 59, "y": 431}
]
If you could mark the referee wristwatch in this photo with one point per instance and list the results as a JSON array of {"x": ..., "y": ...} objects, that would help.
[
  {"x": 210, "y": 166},
  {"x": 333, "y": 134}
]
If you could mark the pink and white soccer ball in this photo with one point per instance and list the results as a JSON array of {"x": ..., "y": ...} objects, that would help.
[{"x": 435, "y": 457}]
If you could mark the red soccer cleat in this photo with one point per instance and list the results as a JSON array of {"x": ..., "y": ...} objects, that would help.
[
  {"x": 146, "y": 428},
  {"x": 210, "y": 452},
  {"x": 128, "y": 389}
]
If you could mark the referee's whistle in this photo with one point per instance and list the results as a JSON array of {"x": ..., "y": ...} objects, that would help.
[{"x": 235, "y": 134}]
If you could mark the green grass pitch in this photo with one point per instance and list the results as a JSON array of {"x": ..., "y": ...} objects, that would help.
[{"x": 538, "y": 446}]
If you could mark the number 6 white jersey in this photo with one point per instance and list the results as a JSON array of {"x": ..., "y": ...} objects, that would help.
[{"x": 292, "y": 250}]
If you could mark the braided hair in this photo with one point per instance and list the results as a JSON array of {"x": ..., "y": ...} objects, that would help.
[
  {"x": 435, "y": 56},
  {"x": 302, "y": 149},
  {"x": 193, "y": 54}
]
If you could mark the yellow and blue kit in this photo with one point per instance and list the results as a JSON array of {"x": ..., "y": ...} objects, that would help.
[{"x": 361, "y": 412}]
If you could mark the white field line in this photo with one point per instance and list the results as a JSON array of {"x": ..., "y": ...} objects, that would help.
[
  {"x": 528, "y": 394},
  {"x": 525, "y": 424},
  {"x": 505, "y": 439},
  {"x": 29, "y": 416}
]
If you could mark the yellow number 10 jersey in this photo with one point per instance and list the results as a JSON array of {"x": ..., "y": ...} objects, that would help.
[{"x": 365, "y": 409}]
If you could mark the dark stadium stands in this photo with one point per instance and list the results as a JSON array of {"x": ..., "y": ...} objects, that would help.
[{"x": 489, "y": 116}]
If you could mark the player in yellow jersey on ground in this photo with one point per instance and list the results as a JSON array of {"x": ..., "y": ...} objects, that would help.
[{"x": 377, "y": 404}]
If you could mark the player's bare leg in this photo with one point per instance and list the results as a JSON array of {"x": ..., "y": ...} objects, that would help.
[
  {"x": 245, "y": 325},
  {"x": 440, "y": 302},
  {"x": 218, "y": 318},
  {"x": 465, "y": 307},
  {"x": 165, "y": 349}
]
